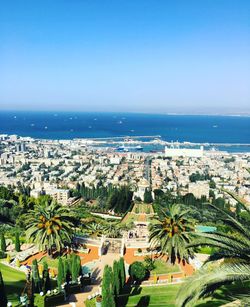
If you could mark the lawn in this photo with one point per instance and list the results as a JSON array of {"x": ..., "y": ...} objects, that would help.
[
  {"x": 162, "y": 267},
  {"x": 159, "y": 296},
  {"x": 52, "y": 262},
  {"x": 14, "y": 281},
  {"x": 150, "y": 296}
]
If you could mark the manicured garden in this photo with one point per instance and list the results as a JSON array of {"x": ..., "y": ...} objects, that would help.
[
  {"x": 150, "y": 296},
  {"x": 163, "y": 267},
  {"x": 14, "y": 282}
]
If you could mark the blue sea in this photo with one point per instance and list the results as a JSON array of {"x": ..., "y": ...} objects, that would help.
[{"x": 182, "y": 128}]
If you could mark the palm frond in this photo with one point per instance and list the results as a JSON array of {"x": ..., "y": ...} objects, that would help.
[{"x": 209, "y": 278}]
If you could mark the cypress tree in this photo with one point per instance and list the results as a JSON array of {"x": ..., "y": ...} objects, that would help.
[
  {"x": 3, "y": 297},
  {"x": 76, "y": 266},
  {"x": 17, "y": 242},
  {"x": 46, "y": 278},
  {"x": 67, "y": 270},
  {"x": 30, "y": 289},
  {"x": 122, "y": 272},
  {"x": 36, "y": 277},
  {"x": 107, "y": 287},
  {"x": 116, "y": 279},
  {"x": 148, "y": 197},
  {"x": 3, "y": 242},
  {"x": 60, "y": 274}
]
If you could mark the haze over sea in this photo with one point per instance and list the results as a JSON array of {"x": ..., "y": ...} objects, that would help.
[{"x": 183, "y": 128}]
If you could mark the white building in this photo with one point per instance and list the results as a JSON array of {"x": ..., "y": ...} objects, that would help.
[
  {"x": 184, "y": 152},
  {"x": 60, "y": 195},
  {"x": 143, "y": 185}
]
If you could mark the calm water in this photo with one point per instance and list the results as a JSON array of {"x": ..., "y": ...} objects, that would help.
[{"x": 66, "y": 125}]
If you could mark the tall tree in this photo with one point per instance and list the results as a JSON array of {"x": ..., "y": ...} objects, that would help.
[
  {"x": 148, "y": 196},
  {"x": 116, "y": 279},
  {"x": 66, "y": 270},
  {"x": 60, "y": 274},
  {"x": 76, "y": 265},
  {"x": 122, "y": 272},
  {"x": 3, "y": 242},
  {"x": 50, "y": 225},
  {"x": 17, "y": 242},
  {"x": 3, "y": 296},
  {"x": 172, "y": 233},
  {"x": 46, "y": 278},
  {"x": 107, "y": 287},
  {"x": 36, "y": 277}
]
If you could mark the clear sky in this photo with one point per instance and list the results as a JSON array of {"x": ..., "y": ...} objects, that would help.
[{"x": 125, "y": 55}]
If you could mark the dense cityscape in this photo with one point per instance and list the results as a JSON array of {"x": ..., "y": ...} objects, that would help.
[{"x": 75, "y": 216}]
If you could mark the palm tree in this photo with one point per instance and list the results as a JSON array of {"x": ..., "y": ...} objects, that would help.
[
  {"x": 172, "y": 233},
  {"x": 231, "y": 261},
  {"x": 94, "y": 229},
  {"x": 49, "y": 225}
]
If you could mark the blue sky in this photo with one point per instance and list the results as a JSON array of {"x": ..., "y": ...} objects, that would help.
[{"x": 125, "y": 55}]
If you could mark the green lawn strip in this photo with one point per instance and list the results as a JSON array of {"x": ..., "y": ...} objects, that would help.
[
  {"x": 52, "y": 263},
  {"x": 14, "y": 281},
  {"x": 158, "y": 295},
  {"x": 164, "y": 296},
  {"x": 162, "y": 267}
]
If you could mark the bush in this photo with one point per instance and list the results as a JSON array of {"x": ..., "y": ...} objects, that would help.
[
  {"x": 137, "y": 271},
  {"x": 139, "y": 250}
]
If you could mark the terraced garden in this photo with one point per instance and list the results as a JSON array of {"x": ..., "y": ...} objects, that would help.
[{"x": 150, "y": 296}]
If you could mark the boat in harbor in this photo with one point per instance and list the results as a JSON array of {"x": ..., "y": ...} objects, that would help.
[{"x": 123, "y": 148}]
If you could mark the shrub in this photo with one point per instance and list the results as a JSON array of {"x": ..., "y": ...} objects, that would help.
[
  {"x": 139, "y": 250},
  {"x": 137, "y": 271}
]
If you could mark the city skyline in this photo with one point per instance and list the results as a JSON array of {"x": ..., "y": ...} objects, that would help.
[{"x": 182, "y": 57}]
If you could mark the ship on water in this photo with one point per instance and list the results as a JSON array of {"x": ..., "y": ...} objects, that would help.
[{"x": 124, "y": 148}]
